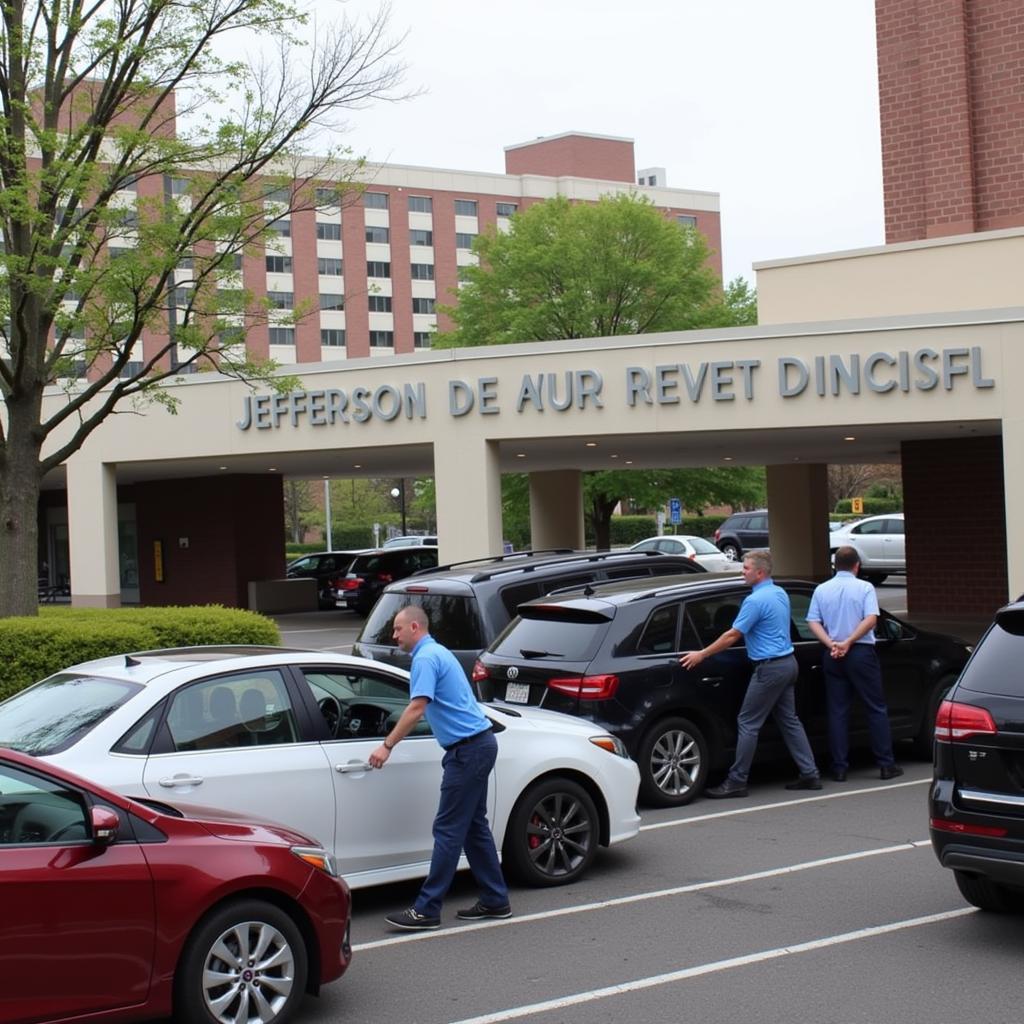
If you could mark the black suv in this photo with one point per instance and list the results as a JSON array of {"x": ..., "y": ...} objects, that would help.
[
  {"x": 610, "y": 653},
  {"x": 372, "y": 571},
  {"x": 470, "y": 603},
  {"x": 743, "y": 532},
  {"x": 976, "y": 802},
  {"x": 325, "y": 567}
]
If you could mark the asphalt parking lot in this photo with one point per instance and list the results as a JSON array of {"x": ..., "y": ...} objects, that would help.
[{"x": 822, "y": 907}]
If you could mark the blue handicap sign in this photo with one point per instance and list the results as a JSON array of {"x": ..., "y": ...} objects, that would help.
[{"x": 675, "y": 511}]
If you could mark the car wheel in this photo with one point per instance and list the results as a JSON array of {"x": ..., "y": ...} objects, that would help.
[
  {"x": 553, "y": 833},
  {"x": 924, "y": 741},
  {"x": 245, "y": 963},
  {"x": 874, "y": 577},
  {"x": 731, "y": 551},
  {"x": 673, "y": 763},
  {"x": 985, "y": 894}
]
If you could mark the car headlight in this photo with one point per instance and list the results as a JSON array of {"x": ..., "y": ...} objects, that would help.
[
  {"x": 317, "y": 857},
  {"x": 610, "y": 743}
]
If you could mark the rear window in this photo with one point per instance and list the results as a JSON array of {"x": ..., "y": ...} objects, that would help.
[
  {"x": 564, "y": 639},
  {"x": 996, "y": 665},
  {"x": 54, "y": 714},
  {"x": 703, "y": 547},
  {"x": 454, "y": 621}
]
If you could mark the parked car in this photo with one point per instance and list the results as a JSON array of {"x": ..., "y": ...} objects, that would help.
[
  {"x": 743, "y": 532},
  {"x": 325, "y": 567},
  {"x": 410, "y": 541},
  {"x": 879, "y": 542},
  {"x": 285, "y": 736},
  {"x": 976, "y": 800},
  {"x": 372, "y": 571},
  {"x": 610, "y": 654},
  {"x": 697, "y": 549},
  {"x": 470, "y": 603},
  {"x": 122, "y": 910}
]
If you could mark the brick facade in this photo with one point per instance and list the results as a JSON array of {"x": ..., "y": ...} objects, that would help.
[
  {"x": 956, "y": 547},
  {"x": 576, "y": 156},
  {"x": 951, "y": 95}
]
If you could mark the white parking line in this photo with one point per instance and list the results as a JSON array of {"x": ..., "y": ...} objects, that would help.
[
  {"x": 618, "y": 901},
  {"x": 713, "y": 968},
  {"x": 751, "y": 808}
]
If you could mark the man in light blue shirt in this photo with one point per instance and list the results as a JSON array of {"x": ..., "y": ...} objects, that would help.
[
  {"x": 440, "y": 691},
  {"x": 764, "y": 621},
  {"x": 843, "y": 614}
]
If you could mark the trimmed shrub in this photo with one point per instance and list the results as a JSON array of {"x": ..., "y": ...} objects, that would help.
[
  {"x": 872, "y": 506},
  {"x": 32, "y": 649}
]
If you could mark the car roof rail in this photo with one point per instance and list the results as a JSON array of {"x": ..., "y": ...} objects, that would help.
[
  {"x": 489, "y": 559},
  {"x": 582, "y": 557}
]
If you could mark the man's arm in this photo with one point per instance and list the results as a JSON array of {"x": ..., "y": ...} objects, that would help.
[
  {"x": 820, "y": 632},
  {"x": 864, "y": 626},
  {"x": 408, "y": 721},
  {"x": 693, "y": 658}
]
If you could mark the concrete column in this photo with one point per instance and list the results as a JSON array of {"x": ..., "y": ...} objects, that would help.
[
  {"x": 92, "y": 533},
  {"x": 1013, "y": 483},
  {"x": 556, "y": 509},
  {"x": 468, "y": 482},
  {"x": 798, "y": 519}
]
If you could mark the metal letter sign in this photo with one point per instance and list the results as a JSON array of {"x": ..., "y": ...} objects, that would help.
[{"x": 675, "y": 511}]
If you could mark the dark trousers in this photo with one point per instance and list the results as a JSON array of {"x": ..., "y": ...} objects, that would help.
[
  {"x": 461, "y": 824},
  {"x": 858, "y": 672}
]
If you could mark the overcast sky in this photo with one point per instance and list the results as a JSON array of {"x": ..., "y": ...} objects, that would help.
[{"x": 771, "y": 103}]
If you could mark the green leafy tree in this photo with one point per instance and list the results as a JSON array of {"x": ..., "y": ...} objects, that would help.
[
  {"x": 737, "y": 306},
  {"x": 117, "y": 225},
  {"x": 583, "y": 270}
]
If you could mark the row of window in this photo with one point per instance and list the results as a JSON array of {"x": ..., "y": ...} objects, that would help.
[
  {"x": 334, "y": 337},
  {"x": 330, "y": 267},
  {"x": 424, "y": 204},
  {"x": 382, "y": 304}
]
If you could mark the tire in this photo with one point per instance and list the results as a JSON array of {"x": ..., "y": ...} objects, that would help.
[
  {"x": 674, "y": 761},
  {"x": 874, "y": 577},
  {"x": 275, "y": 990},
  {"x": 924, "y": 741},
  {"x": 731, "y": 551},
  {"x": 553, "y": 834},
  {"x": 985, "y": 894}
]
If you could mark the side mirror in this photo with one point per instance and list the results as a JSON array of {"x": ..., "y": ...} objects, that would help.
[{"x": 105, "y": 824}]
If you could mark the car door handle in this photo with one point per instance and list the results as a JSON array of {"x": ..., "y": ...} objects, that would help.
[
  {"x": 353, "y": 766},
  {"x": 181, "y": 780},
  {"x": 712, "y": 680}
]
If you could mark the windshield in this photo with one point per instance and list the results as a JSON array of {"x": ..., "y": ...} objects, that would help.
[
  {"x": 59, "y": 711},
  {"x": 546, "y": 639},
  {"x": 454, "y": 622},
  {"x": 703, "y": 547}
]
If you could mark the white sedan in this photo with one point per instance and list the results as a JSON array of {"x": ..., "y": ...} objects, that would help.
[
  {"x": 697, "y": 549},
  {"x": 285, "y": 736}
]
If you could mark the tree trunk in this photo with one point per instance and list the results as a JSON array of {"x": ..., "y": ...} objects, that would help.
[
  {"x": 19, "y": 529},
  {"x": 601, "y": 520}
]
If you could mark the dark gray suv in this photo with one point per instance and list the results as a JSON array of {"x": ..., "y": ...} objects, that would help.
[
  {"x": 743, "y": 532},
  {"x": 470, "y": 603}
]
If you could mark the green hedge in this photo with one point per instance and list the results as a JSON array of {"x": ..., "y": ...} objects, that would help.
[
  {"x": 627, "y": 530},
  {"x": 31, "y": 649},
  {"x": 872, "y": 506}
]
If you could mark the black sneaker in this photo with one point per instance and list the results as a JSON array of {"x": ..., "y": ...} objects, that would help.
[
  {"x": 478, "y": 912},
  {"x": 890, "y": 771},
  {"x": 725, "y": 789},
  {"x": 805, "y": 782},
  {"x": 412, "y": 920}
]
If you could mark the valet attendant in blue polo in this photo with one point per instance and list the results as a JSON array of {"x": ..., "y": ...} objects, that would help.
[
  {"x": 764, "y": 623},
  {"x": 440, "y": 691}
]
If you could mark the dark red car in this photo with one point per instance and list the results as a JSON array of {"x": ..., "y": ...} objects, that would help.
[{"x": 115, "y": 911}]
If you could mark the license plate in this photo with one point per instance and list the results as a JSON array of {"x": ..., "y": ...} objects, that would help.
[{"x": 517, "y": 693}]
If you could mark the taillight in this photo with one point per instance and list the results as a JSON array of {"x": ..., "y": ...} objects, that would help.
[
  {"x": 385, "y": 577},
  {"x": 956, "y": 721},
  {"x": 962, "y": 828},
  {"x": 351, "y": 583},
  {"x": 586, "y": 687},
  {"x": 693, "y": 558},
  {"x": 480, "y": 672},
  {"x": 718, "y": 533}
]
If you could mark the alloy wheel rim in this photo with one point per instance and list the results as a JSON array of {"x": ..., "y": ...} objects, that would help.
[
  {"x": 559, "y": 835},
  {"x": 675, "y": 762}
]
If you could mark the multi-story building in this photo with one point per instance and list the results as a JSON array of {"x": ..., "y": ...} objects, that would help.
[{"x": 375, "y": 272}]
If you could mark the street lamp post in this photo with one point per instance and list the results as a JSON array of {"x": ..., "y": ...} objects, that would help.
[{"x": 399, "y": 493}]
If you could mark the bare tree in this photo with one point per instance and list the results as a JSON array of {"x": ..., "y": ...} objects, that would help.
[
  {"x": 854, "y": 480},
  {"x": 121, "y": 234}
]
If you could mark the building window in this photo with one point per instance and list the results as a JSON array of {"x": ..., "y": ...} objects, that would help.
[
  {"x": 181, "y": 297},
  {"x": 133, "y": 368},
  {"x": 382, "y": 339},
  {"x": 328, "y": 232},
  {"x": 281, "y": 227},
  {"x": 179, "y": 186},
  {"x": 463, "y": 241},
  {"x": 375, "y": 200},
  {"x": 465, "y": 207},
  {"x": 279, "y": 264},
  {"x": 686, "y": 220},
  {"x": 328, "y": 266},
  {"x": 422, "y": 271},
  {"x": 231, "y": 261},
  {"x": 230, "y": 336},
  {"x": 421, "y": 339},
  {"x": 282, "y": 335},
  {"x": 332, "y": 300},
  {"x": 419, "y": 237},
  {"x": 327, "y": 197},
  {"x": 380, "y": 303},
  {"x": 375, "y": 234},
  {"x": 186, "y": 262},
  {"x": 421, "y": 204},
  {"x": 279, "y": 195},
  {"x": 333, "y": 337},
  {"x": 422, "y": 305},
  {"x": 506, "y": 209},
  {"x": 281, "y": 300},
  {"x": 375, "y": 268}
]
